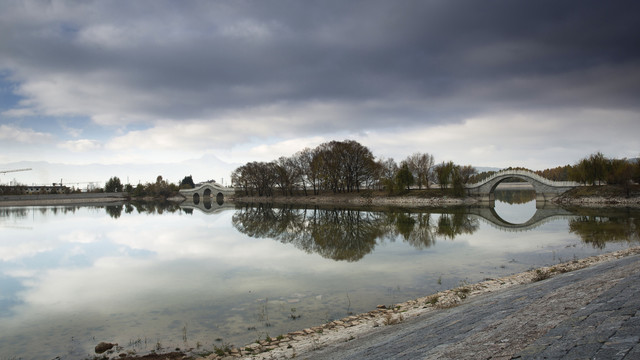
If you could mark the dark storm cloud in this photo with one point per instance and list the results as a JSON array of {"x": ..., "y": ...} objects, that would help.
[{"x": 415, "y": 61}]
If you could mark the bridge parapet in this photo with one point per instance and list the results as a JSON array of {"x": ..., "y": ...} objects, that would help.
[{"x": 526, "y": 173}]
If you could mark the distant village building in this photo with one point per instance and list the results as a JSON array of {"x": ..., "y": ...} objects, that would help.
[{"x": 43, "y": 189}]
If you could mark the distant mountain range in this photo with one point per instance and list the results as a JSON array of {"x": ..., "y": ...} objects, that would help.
[
  {"x": 208, "y": 167},
  {"x": 481, "y": 169}
]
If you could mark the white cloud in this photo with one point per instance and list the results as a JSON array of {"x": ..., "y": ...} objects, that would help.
[
  {"x": 11, "y": 133},
  {"x": 82, "y": 145},
  {"x": 19, "y": 112},
  {"x": 537, "y": 140},
  {"x": 249, "y": 30},
  {"x": 107, "y": 36},
  {"x": 81, "y": 237}
]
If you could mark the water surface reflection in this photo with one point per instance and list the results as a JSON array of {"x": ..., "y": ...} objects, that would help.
[{"x": 148, "y": 274}]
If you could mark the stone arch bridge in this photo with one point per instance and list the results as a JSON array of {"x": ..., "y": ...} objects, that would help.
[
  {"x": 545, "y": 189},
  {"x": 207, "y": 192}
]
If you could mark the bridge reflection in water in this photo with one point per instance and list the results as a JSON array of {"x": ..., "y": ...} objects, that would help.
[
  {"x": 542, "y": 216},
  {"x": 207, "y": 206}
]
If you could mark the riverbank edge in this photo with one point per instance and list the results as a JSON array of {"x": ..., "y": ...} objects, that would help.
[
  {"x": 74, "y": 199},
  {"x": 411, "y": 201},
  {"x": 297, "y": 343},
  {"x": 330, "y": 200}
]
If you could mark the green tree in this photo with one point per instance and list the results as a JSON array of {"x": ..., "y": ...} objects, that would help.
[
  {"x": 443, "y": 173},
  {"x": 139, "y": 191},
  {"x": 597, "y": 167},
  {"x": 113, "y": 185},
  {"x": 458, "y": 181},
  {"x": 620, "y": 172},
  {"x": 404, "y": 178},
  {"x": 187, "y": 183}
]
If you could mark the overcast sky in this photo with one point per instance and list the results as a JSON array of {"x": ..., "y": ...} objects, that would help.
[{"x": 489, "y": 83}]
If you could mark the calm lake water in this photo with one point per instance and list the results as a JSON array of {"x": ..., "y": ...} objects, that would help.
[{"x": 153, "y": 277}]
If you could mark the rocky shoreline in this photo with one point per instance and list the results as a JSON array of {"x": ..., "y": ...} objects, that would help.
[{"x": 600, "y": 201}]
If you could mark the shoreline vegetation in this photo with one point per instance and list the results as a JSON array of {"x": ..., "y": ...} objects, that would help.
[{"x": 590, "y": 196}]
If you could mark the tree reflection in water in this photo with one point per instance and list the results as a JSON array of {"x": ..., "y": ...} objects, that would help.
[
  {"x": 512, "y": 197},
  {"x": 597, "y": 227},
  {"x": 349, "y": 234},
  {"x": 151, "y": 207}
]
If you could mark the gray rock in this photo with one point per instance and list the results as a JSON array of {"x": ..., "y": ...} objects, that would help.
[{"x": 104, "y": 346}]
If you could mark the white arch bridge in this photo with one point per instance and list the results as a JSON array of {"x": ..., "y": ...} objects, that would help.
[
  {"x": 207, "y": 192},
  {"x": 545, "y": 189}
]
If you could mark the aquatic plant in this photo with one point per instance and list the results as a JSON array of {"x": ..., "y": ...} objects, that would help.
[{"x": 541, "y": 274}]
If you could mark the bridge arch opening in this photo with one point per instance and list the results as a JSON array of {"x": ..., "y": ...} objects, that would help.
[
  {"x": 196, "y": 198},
  {"x": 509, "y": 181},
  {"x": 207, "y": 193},
  {"x": 515, "y": 203},
  {"x": 220, "y": 199}
]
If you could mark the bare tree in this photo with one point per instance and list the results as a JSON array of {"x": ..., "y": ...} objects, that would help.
[
  {"x": 387, "y": 173},
  {"x": 466, "y": 172},
  {"x": 420, "y": 165}
]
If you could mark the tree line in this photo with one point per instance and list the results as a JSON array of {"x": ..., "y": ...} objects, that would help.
[
  {"x": 597, "y": 169},
  {"x": 344, "y": 167},
  {"x": 160, "y": 189}
]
